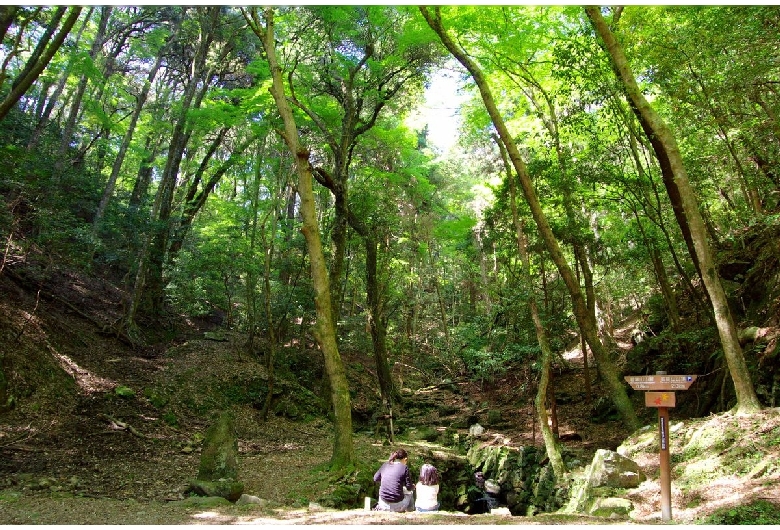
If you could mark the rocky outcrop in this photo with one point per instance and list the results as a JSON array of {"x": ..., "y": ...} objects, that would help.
[
  {"x": 514, "y": 477},
  {"x": 595, "y": 493}
]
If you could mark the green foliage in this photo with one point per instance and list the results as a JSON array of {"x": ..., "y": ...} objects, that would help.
[
  {"x": 756, "y": 512},
  {"x": 349, "y": 486},
  {"x": 124, "y": 392},
  {"x": 488, "y": 355},
  {"x": 158, "y": 400},
  {"x": 250, "y": 392},
  {"x": 455, "y": 229},
  {"x": 450, "y": 281},
  {"x": 170, "y": 418}
]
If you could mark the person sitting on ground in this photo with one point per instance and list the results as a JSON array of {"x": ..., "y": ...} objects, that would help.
[
  {"x": 427, "y": 489},
  {"x": 395, "y": 484}
]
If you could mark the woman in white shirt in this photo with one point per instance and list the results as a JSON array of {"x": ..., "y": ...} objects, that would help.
[{"x": 427, "y": 489}]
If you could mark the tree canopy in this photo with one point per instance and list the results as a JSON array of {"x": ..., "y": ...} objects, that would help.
[{"x": 272, "y": 167}]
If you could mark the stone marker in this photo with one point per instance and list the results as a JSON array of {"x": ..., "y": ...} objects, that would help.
[{"x": 218, "y": 470}]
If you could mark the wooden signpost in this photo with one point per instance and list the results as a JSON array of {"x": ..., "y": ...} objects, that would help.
[{"x": 660, "y": 394}]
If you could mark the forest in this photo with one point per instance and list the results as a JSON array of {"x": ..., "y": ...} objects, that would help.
[{"x": 387, "y": 224}]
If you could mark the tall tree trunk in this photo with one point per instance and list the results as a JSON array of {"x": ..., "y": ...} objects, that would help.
[
  {"x": 47, "y": 103},
  {"x": 251, "y": 276},
  {"x": 81, "y": 87},
  {"x": 586, "y": 322},
  {"x": 268, "y": 238},
  {"x": 672, "y": 167},
  {"x": 324, "y": 328},
  {"x": 544, "y": 388},
  {"x": 36, "y": 65},
  {"x": 377, "y": 317},
  {"x": 7, "y": 14},
  {"x": 154, "y": 284},
  {"x": 108, "y": 191},
  {"x": 378, "y": 326},
  {"x": 339, "y": 239}
]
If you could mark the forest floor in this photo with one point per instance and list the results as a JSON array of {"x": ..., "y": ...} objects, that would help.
[{"x": 91, "y": 456}]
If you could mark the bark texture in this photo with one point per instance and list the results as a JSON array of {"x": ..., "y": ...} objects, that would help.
[
  {"x": 691, "y": 221},
  {"x": 324, "y": 329},
  {"x": 607, "y": 369}
]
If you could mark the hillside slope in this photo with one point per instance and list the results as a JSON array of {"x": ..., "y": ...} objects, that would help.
[{"x": 94, "y": 430}]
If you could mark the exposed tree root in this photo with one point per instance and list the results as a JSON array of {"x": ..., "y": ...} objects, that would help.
[{"x": 122, "y": 426}]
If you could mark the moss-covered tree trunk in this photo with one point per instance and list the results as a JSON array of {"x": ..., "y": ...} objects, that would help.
[
  {"x": 676, "y": 181},
  {"x": 550, "y": 442},
  {"x": 607, "y": 369},
  {"x": 39, "y": 60},
  {"x": 324, "y": 328}
]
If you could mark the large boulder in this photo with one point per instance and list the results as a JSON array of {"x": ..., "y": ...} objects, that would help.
[
  {"x": 218, "y": 470},
  {"x": 609, "y": 473},
  {"x": 609, "y": 469},
  {"x": 219, "y": 457}
]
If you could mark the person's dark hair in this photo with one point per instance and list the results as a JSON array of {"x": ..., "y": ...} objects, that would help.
[
  {"x": 398, "y": 454},
  {"x": 429, "y": 475}
]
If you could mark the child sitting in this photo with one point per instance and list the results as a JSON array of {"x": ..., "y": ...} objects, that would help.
[{"x": 427, "y": 489}]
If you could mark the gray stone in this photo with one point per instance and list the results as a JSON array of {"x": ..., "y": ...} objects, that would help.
[
  {"x": 251, "y": 499},
  {"x": 612, "y": 507},
  {"x": 219, "y": 457},
  {"x": 609, "y": 469},
  {"x": 476, "y": 430}
]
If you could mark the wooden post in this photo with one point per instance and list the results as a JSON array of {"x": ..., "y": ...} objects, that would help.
[
  {"x": 663, "y": 401},
  {"x": 666, "y": 476}
]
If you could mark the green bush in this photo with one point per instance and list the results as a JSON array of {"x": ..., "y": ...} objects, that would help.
[
  {"x": 757, "y": 512},
  {"x": 171, "y": 419}
]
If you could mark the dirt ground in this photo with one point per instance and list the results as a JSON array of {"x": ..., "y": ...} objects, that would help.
[{"x": 87, "y": 455}]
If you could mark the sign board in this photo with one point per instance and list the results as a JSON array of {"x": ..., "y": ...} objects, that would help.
[
  {"x": 660, "y": 399},
  {"x": 660, "y": 382}
]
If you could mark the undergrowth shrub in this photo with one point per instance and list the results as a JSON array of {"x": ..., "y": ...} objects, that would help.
[{"x": 757, "y": 512}]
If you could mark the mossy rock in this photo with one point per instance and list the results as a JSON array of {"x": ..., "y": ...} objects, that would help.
[
  {"x": 611, "y": 507},
  {"x": 219, "y": 457},
  {"x": 229, "y": 490},
  {"x": 202, "y": 502}
]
